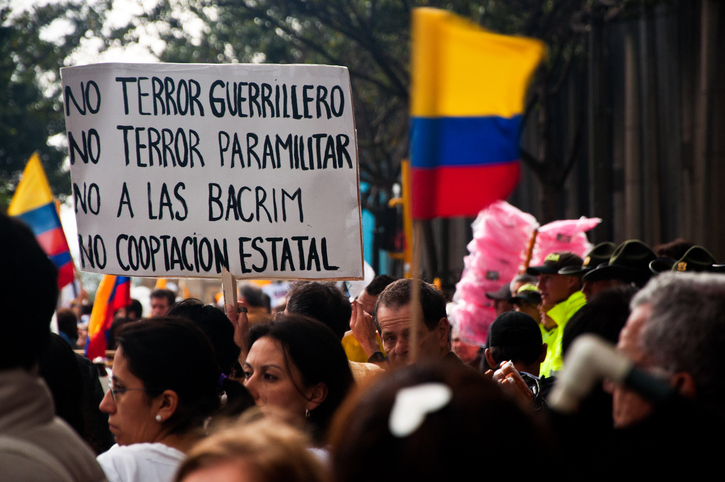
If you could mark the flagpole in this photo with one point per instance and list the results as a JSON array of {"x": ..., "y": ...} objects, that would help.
[
  {"x": 407, "y": 193},
  {"x": 416, "y": 312},
  {"x": 530, "y": 251},
  {"x": 76, "y": 272}
]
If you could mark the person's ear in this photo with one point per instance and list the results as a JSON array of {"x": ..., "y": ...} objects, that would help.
[
  {"x": 443, "y": 328},
  {"x": 575, "y": 283},
  {"x": 167, "y": 403},
  {"x": 489, "y": 359},
  {"x": 684, "y": 384},
  {"x": 316, "y": 395}
]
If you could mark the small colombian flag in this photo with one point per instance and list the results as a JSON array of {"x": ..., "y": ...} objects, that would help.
[
  {"x": 113, "y": 292},
  {"x": 467, "y": 100},
  {"x": 33, "y": 203}
]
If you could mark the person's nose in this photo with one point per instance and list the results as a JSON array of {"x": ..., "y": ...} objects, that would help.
[
  {"x": 107, "y": 404},
  {"x": 586, "y": 289},
  {"x": 251, "y": 385},
  {"x": 402, "y": 347}
]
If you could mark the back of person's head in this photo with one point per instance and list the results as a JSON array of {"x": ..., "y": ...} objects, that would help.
[
  {"x": 399, "y": 294},
  {"x": 604, "y": 315},
  {"x": 215, "y": 325},
  {"x": 86, "y": 309},
  {"x": 254, "y": 296},
  {"x": 134, "y": 310},
  {"x": 59, "y": 368},
  {"x": 431, "y": 422},
  {"x": 174, "y": 354},
  {"x": 264, "y": 450},
  {"x": 67, "y": 324},
  {"x": 516, "y": 337},
  {"x": 116, "y": 327},
  {"x": 378, "y": 284},
  {"x": 318, "y": 355},
  {"x": 522, "y": 278},
  {"x": 675, "y": 249},
  {"x": 322, "y": 301},
  {"x": 684, "y": 332},
  {"x": 28, "y": 295}
]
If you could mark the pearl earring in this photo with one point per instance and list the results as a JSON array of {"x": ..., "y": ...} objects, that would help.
[{"x": 158, "y": 418}]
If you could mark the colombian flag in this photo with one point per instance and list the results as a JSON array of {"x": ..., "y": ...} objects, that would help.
[
  {"x": 113, "y": 292},
  {"x": 467, "y": 101},
  {"x": 33, "y": 203}
]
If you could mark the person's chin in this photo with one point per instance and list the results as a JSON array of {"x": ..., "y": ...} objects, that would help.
[
  {"x": 118, "y": 437},
  {"x": 400, "y": 361}
]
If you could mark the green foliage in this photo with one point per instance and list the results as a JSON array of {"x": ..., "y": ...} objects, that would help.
[
  {"x": 370, "y": 37},
  {"x": 30, "y": 97}
]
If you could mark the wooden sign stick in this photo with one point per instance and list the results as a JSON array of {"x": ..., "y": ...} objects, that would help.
[{"x": 229, "y": 288}]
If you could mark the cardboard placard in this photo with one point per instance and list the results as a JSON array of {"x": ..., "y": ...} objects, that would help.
[{"x": 181, "y": 169}]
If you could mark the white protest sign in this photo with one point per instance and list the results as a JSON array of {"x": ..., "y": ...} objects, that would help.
[{"x": 181, "y": 169}]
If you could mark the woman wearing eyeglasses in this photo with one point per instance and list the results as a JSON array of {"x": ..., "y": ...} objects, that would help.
[{"x": 163, "y": 388}]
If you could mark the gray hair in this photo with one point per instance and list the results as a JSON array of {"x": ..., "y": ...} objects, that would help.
[{"x": 686, "y": 329}]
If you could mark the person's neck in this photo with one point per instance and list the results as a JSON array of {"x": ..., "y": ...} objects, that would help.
[
  {"x": 532, "y": 369},
  {"x": 548, "y": 323},
  {"x": 565, "y": 298},
  {"x": 180, "y": 442}
]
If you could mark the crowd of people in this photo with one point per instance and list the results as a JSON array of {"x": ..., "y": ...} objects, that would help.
[{"x": 380, "y": 387}]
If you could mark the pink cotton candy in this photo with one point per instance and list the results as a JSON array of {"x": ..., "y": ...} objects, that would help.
[
  {"x": 473, "y": 290},
  {"x": 493, "y": 268},
  {"x": 565, "y": 235},
  {"x": 501, "y": 235},
  {"x": 473, "y": 321}
]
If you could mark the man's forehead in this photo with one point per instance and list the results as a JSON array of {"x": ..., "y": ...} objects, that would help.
[
  {"x": 393, "y": 318},
  {"x": 629, "y": 338}
]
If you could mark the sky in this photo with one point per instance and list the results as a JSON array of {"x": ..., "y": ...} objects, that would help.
[
  {"x": 90, "y": 52},
  {"x": 122, "y": 13}
]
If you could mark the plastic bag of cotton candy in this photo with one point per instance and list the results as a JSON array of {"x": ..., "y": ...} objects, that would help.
[
  {"x": 501, "y": 235},
  {"x": 566, "y": 235}
]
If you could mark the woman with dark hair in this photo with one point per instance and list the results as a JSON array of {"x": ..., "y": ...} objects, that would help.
[
  {"x": 162, "y": 390},
  {"x": 430, "y": 421},
  {"x": 215, "y": 325},
  {"x": 298, "y": 365}
]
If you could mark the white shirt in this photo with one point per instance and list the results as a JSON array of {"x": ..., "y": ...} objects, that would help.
[{"x": 141, "y": 462}]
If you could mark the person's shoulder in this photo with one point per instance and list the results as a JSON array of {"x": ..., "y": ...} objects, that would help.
[
  {"x": 18, "y": 466},
  {"x": 44, "y": 455},
  {"x": 360, "y": 371},
  {"x": 453, "y": 360},
  {"x": 576, "y": 300},
  {"x": 142, "y": 450},
  {"x": 140, "y": 462}
]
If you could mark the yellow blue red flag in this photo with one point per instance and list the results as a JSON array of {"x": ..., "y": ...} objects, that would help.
[
  {"x": 467, "y": 102},
  {"x": 33, "y": 203},
  {"x": 113, "y": 293}
]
